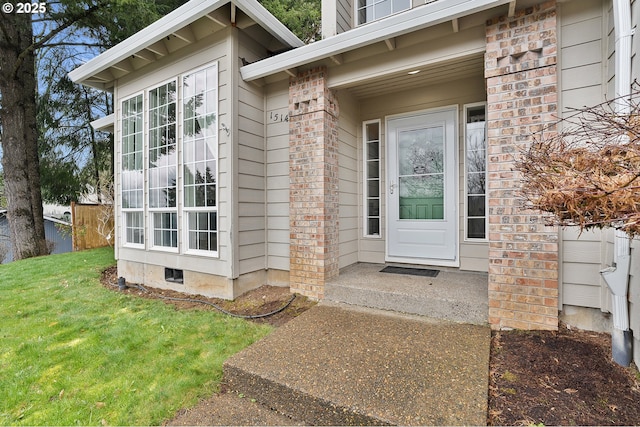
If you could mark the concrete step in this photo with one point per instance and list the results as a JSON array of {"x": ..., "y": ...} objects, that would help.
[
  {"x": 343, "y": 365},
  {"x": 291, "y": 401},
  {"x": 452, "y": 295}
]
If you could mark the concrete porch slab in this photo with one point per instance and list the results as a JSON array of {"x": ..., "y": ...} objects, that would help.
[
  {"x": 453, "y": 295},
  {"x": 341, "y": 365}
]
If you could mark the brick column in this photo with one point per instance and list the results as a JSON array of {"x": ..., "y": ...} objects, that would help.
[
  {"x": 313, "y": 174},
  {"x": 520, "y": 67}
]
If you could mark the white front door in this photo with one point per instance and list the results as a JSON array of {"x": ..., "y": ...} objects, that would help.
[{"x": 422, "y": 220}]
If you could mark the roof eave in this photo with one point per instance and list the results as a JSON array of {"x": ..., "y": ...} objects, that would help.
[
  {"x": 402, "y": 23},
  {"x": 172, "y": 22},
  {"x": 104, "y": 124}
]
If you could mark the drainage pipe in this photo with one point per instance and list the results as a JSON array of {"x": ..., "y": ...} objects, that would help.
[{"x": 617, "y": 278}]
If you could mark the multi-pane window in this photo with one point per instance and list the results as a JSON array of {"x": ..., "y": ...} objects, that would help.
[
  {"x": 163, "y": 164},
  {"x": 476, "y": 172},
  {"x": 179, "y": 213},
  {"x": 371, "y": 10},
  {"x": 371, "y": 155},
  {"x": 132, "y": 181},
  {"x": 200, "y": 158}
]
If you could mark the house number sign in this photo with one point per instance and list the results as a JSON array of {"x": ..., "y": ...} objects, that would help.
[{"x": 279, "y": 116}]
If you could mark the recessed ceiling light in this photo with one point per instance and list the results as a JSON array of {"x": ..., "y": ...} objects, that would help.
[{"x": 411, "y": 73}]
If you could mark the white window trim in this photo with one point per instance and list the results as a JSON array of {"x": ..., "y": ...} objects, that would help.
[
  {"x": 465, "y": 108},
  {"x": 180, "y": 210},
  {"x": 183, "y": 216},
  {"x": 185, "y": 233},
  {"x": 365, "y": 204},
  {"x": 150, "y": 228},
  {"x": 356, "y": 11},
  {"x": 123, "y": 231}
]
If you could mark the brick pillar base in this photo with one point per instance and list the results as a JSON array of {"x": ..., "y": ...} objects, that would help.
[
  {"x": 313, "y": 173},
  {"x": 520, "y": 69}
]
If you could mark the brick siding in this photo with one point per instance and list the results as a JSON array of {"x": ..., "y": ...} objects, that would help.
[
  {"x": 520, "y": 67},
  {"x": 313, "y": 173}
]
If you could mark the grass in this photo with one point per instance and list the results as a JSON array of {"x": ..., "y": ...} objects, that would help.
[{"x": 73, "y": 352}]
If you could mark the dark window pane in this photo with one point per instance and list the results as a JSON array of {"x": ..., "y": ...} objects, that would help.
[
  {"x": 476, "y": 206},
  {"x": 373, "y": 188},
  {"x": 476, "y": 228},
  {"x": 373, "y": 226},
  {"x": 374, "y": 207}
]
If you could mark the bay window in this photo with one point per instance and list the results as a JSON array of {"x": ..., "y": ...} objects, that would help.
[{"x": 178, "y": 206}]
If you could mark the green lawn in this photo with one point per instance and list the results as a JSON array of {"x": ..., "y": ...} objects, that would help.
[{"x": 73, "y": 352}]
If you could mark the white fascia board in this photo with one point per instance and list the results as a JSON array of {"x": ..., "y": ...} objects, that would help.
[
  {"x": 105, "y": 123},
  {"x": 402, "y": 23},
  {"x": 174, "y": 21}
]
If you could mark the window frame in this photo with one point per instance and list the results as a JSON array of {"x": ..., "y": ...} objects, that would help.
[
  {"x": 187, "y": 210},
  {"x": 365, "y": 180},
  {"x": 180, "y": 211},
  {"x": 357, "y": 10},
  {"x": 466, "y": 109},
  {"x": 152, "y": 211},
  {"x": 139, "y": 210}
]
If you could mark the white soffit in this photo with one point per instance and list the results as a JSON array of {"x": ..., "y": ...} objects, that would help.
[
  {"x": 402, "y": 23},
  {"x": 172, "y": 23},
  {"x": 105, "y": 124}
]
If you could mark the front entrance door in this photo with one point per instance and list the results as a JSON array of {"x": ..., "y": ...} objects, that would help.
[{"x": 421, "y": 188}]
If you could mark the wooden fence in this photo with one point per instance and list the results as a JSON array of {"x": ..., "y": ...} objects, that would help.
[{"x": 91, "y": 226}]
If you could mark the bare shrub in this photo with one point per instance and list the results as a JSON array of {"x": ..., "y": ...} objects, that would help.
[{"x": 587, "y": 173}]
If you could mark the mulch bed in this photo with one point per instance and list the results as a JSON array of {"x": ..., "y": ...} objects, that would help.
[
  {"x": 536, "y": 377},
  {"x": 560, "y": 378}
]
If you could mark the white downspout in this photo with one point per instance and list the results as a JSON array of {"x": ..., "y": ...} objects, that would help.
[{"x": 617, "y": 278}]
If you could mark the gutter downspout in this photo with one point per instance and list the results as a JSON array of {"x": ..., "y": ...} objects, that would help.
[{"x": 617, "y": 277}]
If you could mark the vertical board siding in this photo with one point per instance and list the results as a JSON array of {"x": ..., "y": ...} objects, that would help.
[
  {"x": 277, "y": 176},
  {"x": 586, "y": 50}
]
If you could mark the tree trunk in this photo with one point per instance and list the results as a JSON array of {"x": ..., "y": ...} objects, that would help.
[{"x": 19, "y": 136}]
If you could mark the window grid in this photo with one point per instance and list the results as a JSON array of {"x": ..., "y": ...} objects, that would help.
[
  {"x": 134, "y": 227},
  {"x": 372, "y": 10},
  {"x": 475, "y": 172},
  {"x": 132, "y": 176},
  {"x": 162, "y": 165},
  {"x": 200, "y": 158},
  {"x": 201, "y": 227},
  {"x": 371, "y": 189},
  {"x": 165, "y": 229}
]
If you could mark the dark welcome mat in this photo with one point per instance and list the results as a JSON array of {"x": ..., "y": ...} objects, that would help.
[{"x": 425, "y": 272}]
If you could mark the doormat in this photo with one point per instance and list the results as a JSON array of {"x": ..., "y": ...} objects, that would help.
[{"x": 424, "y": 272}]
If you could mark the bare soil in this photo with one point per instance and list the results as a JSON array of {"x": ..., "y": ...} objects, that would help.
[{"x": 535, "y": 377}]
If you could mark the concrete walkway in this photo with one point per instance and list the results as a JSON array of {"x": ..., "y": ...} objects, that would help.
[{"x": 343, "y": 365}]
